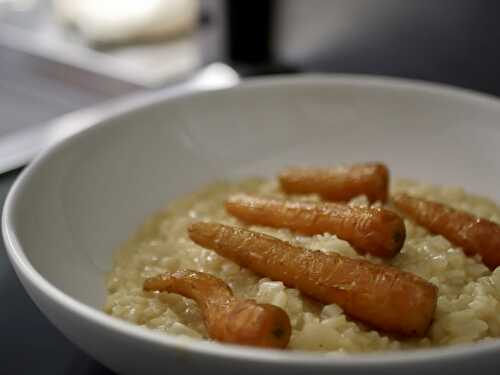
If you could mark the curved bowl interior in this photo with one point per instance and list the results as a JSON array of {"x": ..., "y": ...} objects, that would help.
[{"x": 74, "y": 206}]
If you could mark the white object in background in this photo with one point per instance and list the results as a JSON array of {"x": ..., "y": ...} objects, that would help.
[
  {"x": 20, "y": 147},
  {"x": 117, "y": 21}
]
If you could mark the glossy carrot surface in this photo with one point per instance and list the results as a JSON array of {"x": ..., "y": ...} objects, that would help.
[
  {"x": 376, "y": 231},
  {"x": 227, "y": 318},
  {"x": 382, "y": 296},
  {"x": 475, "y": 235},
  {"x": 338, "y": 183}
]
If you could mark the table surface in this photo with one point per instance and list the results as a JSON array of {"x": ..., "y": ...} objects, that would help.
[{"x": 26, "y": 330}]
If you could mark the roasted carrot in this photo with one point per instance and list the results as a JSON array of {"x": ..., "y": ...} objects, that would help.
[
  {"x": 382, "y": 296},
  {"x": 377, "y": 231},
  {"x": 340, "y": 183},
  {"x": 473, "y": 234},
  {"x": 227, "y": 318}
]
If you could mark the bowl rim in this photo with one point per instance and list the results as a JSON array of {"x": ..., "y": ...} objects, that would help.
[{"x": 31, "y": 278}]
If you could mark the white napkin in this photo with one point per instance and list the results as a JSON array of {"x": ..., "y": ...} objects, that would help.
[{"x": 118, "y": 21}]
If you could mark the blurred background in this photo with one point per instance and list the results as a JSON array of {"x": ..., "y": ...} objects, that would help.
[
  {"x": 64, "y": 62},
  {"x": 58, "y": 56}
]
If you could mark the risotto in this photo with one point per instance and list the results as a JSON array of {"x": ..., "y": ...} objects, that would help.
[{"x": 468, "y": 306}]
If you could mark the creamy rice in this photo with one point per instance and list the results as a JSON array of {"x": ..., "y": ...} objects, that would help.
[{"x": 468, "y": 307}]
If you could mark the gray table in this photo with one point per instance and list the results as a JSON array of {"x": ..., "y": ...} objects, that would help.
[{"x": 25, "y": 330}]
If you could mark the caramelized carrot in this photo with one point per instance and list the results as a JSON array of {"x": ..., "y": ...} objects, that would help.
[
  {"x": 382, "y": 296},
  {"x": 338, "y": 184},
  {"x": 475, "y": 235},
  {"x": 227, "y": 318},
  {"x": 376, "y": 231}
]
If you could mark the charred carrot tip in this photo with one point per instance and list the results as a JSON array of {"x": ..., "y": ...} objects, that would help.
[
  {"x": 399, "y": 236},
  {"x": 278, "y": 332}
]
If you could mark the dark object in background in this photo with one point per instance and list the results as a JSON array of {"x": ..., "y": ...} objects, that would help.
[
  {"x": 249, "y": 38},
  {"x": 454, "y": 42},
  {"x": 249, "y": 31}
]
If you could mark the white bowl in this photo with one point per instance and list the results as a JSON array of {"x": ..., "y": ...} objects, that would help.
[{"x": 75, "y": 204}]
